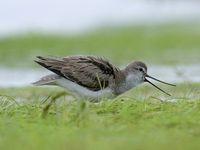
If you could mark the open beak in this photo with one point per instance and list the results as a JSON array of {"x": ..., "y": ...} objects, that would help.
[{"x": 148, "y": 76}]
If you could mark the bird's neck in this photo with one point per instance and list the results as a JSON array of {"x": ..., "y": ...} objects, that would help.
[
  {"x": 132, "y": 80},
  {"x": 126, "y": 81}
]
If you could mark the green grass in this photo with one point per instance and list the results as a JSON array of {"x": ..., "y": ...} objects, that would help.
[
  {"x": 139, "y": 119},
  {"x": 165, "y": 44}
]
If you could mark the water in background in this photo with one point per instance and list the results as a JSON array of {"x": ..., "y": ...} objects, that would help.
[
  {"x": 177, "y": 74},
  {"x": 74, "y": 16}
]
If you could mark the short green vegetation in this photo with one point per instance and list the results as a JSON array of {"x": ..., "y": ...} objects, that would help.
[
  {"x": 165, "y": 44},
  {"x": 139, "y": 119},
  {"x": 143, "y": 118}
]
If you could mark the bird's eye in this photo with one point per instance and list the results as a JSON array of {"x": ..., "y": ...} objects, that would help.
[{"x": 140, "y": 69}]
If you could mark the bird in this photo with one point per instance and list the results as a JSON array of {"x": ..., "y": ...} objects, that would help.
[{"x": 93, "y": 78}]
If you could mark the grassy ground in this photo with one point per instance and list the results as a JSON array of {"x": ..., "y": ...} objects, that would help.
[
  {"x": 139, "y": 119},
  {"x": 165, "y": 44},
  {"x": 142, "y": 118}
]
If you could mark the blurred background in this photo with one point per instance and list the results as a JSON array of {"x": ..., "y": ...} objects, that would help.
[{"x": 163, "y": 33}]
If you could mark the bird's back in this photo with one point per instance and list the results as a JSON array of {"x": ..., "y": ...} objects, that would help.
[{"x": 91, "y": 72}]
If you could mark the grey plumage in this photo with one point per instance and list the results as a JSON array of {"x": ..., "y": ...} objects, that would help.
[
  {"x": 94, "y": 77},
  {"x": 91, "y": 72},
  {"x": 47, "y": 80}
]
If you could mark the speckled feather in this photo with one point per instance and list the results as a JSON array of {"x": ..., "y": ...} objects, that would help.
[
  {"x": 91, "y": 72},
  {"x": 93, "y": 77}
]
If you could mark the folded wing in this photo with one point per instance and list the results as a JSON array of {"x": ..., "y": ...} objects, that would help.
[{"x": 91, "y": 72}]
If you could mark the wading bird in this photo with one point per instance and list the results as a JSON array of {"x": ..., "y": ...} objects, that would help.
[{"x": 93, "y": 77}]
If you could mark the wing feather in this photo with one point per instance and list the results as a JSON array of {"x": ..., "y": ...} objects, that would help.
[{"x": 91, "y": 72}]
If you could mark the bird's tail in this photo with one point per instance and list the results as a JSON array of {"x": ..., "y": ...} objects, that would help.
[{"x": 47, "y": 80}]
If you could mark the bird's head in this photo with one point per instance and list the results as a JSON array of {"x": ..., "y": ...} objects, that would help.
[{"x": 137, "y": 70}]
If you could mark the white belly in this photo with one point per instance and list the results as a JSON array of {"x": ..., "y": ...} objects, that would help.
[{"x": 83, "y": 92}]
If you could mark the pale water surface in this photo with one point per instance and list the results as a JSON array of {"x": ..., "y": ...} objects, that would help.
[{"x": 175, "y": 74}]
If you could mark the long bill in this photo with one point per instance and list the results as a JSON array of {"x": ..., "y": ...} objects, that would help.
[
  {"x": 159, "y": 80},
  {"x": 156, "y": 87}
]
